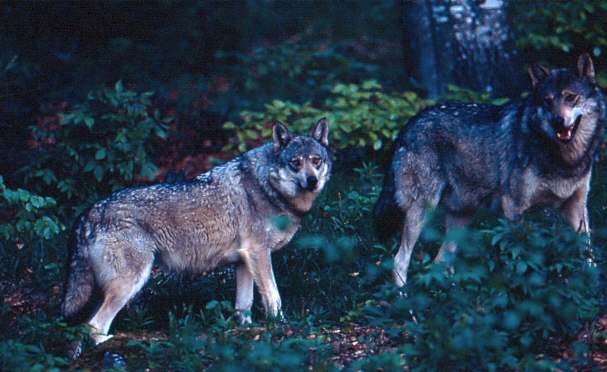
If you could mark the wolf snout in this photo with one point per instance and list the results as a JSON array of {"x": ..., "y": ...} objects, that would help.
[
  {"x": 558, "y": 122},
  {"x": 311, "y": 183},
  {"x": 565, "y": 128}
]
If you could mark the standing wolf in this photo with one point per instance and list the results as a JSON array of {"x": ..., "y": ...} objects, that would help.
[
  {"x": 536, "y": 151},
  {"x": 227, "y": 215}
]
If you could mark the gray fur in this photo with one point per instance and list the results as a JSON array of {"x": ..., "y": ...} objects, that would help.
[
  {"x": 225, "y": 216},
  {"x": 461, "y": 157}
]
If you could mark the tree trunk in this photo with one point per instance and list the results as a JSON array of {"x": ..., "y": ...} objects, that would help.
[{"x": 463, "y": 42}]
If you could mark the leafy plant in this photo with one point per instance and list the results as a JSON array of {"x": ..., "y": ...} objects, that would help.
[
  {"x": 38, "y": 344},
  {"x": 460, "y": 94},
  {"x": 27, "y": 216},
  {"x": 297, "y": 70},
  {"x": 359, "y": 115},
  {"x": 517, "y": 292},
  {"x": 97, "y": 147},
  {"x": 566, "y": 26},
  {"x": 27, "y": 223},
  {"x": 191, "y": 345}
]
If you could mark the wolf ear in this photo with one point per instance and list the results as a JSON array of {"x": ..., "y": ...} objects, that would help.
[
  {"x": 585, "y": 67},
  {"x": 320, "y": 132},
  {"x": 280, "y": 136},
  {"x": 537, "y": 73}
]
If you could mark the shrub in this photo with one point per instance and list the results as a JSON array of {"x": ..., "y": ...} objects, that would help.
[
  {"x": 295, "y": 70},
  {"x": 97, "y": 147},
  {"x": 359, "y": 115},
  {"x": 27, "y": 222},
  {"x": 562, "y": 26},
  {"x": 518, "y": 292},
  {"x": 205, "y": 340},
  {"x": 36, "y": 342}
]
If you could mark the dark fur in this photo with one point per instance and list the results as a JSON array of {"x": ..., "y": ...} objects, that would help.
[{"x": 509, "y": 158}]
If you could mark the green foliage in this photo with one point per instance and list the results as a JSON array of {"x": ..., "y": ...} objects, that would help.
[
  {"x": 359, "y": 115},
  {"x": 208, "y": 340},
  {"x": 517, "y": 292},
  {"x": 28, "y": 223},
  {"x": 294, "y": 70},
  {"x": 460, "y": 94},
  {"x": 101, "y": 145},
  {"x": 36, "y": 343},
  {"x": 28, "y": 220},
  {"x": 566, "y": 26}
]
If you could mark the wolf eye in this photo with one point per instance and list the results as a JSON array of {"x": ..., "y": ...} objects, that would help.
[
  {"x": 548, "y": 100},
  {"x": 295, "y": 163},
  {"x": 316, "y": 160},
  {"x": 570, "y": 97}
]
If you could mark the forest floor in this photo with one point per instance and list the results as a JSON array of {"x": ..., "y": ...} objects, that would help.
[{"x": 348, "y": 341}]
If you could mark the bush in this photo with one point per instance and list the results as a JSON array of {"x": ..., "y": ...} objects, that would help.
[
  {"x": 519, "y": 291},
  {"x": 359, "y": 115},
  {"x": 36, "y": 343},
  {"x": 208, "y": 340},
  {"x": 99, "y": 146},
  {"x": 27, "y": 222},
  {"x": 566, "y": 26}
]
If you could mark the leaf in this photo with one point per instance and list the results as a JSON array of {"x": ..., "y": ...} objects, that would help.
[
  {"x": 98, "y": 173},
  {"x": 90, "y": 165},
  {"x": 521, "y": 267},
  {"x": 89, "y": 121},
  {"x": 118, "y": 87},
  {"x": 100, "y": 154}
]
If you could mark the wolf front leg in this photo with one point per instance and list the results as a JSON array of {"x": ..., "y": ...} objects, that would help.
[
  {"x": 244, "y": 294},
  {"x": 259, "y": 263},
  {"x": 575, "y": 211}
]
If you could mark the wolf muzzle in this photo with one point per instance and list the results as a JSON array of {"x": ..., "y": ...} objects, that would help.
[{"x": 311, "y": 183}]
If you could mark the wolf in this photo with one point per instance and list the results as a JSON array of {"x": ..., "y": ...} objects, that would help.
[
  {"x": 225, "y": 216},
  {"x": 534, "y": 151}
]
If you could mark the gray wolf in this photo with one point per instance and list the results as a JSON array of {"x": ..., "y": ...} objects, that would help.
[
  {"x": 536, "y": 151},
  {"x": 227, "y": 215}
]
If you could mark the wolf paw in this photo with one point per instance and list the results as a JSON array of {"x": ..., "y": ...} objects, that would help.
[
  {"x": 243, "y": 317},
  {"x": 281, "y": 317},
  {"x": 403, "y": 293},
  {"x": 113, "y": 361},
  {"x": 590, "y": 262},
  {"x": 278, "y": 318},
  {"x": 74, "y": 349},
  {"x": 589, "y": 256}
]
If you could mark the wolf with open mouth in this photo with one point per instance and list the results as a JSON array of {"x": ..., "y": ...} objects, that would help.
[{"x": 535, "y": 151}]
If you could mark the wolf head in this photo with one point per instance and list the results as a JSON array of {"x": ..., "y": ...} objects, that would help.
[
  {"x": 303, "y": 163},
  {"x": 568, "y": 102}
]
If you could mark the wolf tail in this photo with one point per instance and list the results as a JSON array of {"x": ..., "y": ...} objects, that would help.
[
  {"x": 80, "y": 282},
  {"x": 388, "y": 216}
]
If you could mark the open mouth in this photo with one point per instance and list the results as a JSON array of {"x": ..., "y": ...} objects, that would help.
[{"x": 566, "y": 134}]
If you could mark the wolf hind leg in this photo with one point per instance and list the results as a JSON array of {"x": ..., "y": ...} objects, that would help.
[
  {"x": 121, "y": 286},
  {"x": 413, "y": 224},
  {"x": 452, "y": 221}
]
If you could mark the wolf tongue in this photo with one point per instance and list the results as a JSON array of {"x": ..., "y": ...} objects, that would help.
[{"x": 564, "y": 135}]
